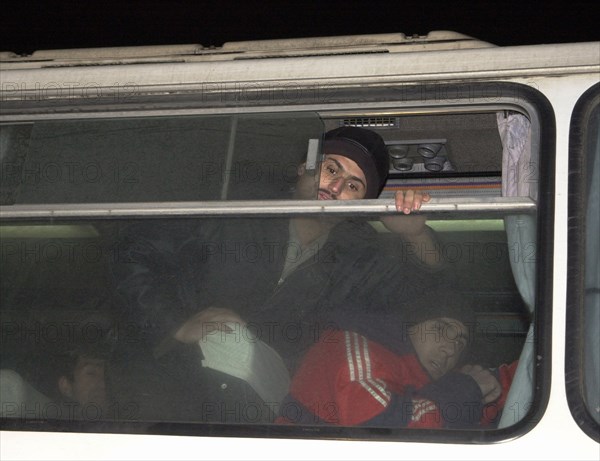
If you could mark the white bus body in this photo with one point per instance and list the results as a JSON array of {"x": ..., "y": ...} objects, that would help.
[{"x": 317, "y": 75}]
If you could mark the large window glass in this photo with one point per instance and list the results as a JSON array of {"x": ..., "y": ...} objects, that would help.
[
  {"x": 583, "y": 356},
  {"x": 152, "y": 274}
]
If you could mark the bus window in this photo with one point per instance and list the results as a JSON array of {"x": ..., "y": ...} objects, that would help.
[
  {"x": 155, "y": 159},
  {"x": 583, "y": 358},
  {"x": 122, "y": 238}
]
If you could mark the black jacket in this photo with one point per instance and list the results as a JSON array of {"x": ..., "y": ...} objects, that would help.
[{"x": 169, "y": 270}]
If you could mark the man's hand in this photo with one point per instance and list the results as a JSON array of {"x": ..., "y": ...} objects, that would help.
[
  {"x": 413, "y": 229},
  {"x": 205, "y": 322},
  {"x": 489, "y": 385},
  {"x": 407, "y": 202},
  {"x": 410, "y": 200}
]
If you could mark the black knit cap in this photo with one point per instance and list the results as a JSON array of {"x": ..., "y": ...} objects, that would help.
[
  {"x": 366, "y": 148},
  {"x": 441, "y": 303}
]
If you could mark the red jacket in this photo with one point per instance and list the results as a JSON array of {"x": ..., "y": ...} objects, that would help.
[{"x": 348, "y": 380}]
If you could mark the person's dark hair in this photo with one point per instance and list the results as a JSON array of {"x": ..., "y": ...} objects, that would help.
[
  {"x": 441, "y": 303},
  {"x": 65, "y": 363}
]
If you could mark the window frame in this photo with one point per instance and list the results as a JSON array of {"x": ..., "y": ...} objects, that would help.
[
  {"x": 576, "y": 254},
  {"x": 495, "y": 96}
]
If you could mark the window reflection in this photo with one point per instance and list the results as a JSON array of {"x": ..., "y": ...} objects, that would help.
[{"x": 116, "y": 293}]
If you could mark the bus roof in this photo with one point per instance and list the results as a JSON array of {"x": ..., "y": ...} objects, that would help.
[{"x": 284, "y": 48}]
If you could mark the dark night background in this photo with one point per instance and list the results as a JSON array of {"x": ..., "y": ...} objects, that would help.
[{"x": 28, "y": 25}]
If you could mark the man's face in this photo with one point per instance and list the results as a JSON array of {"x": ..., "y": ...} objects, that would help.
[
  {"x": 88, "y": 385},
  {"x": 439, "y": 344},
  {"x": 340, "y": 179}
]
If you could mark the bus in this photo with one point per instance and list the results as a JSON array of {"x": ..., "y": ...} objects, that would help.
[{"x": 145, "y": 186}]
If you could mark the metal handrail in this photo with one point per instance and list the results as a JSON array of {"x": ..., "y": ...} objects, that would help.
[{"x": 437, "y": 206}]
